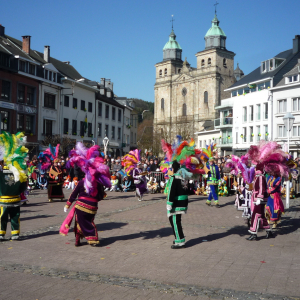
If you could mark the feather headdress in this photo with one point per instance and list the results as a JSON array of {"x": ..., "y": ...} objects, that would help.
[
  {"x": 270, "y": 158},
  {"x": 131, "y": 160},
  {"x": 49, "y": 155},
  {"x": 89, "y": 161},
  {"x": 14, "y": 154}
]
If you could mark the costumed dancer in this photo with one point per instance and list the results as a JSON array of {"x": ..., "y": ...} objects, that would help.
[
  {"x": 186, "y": 159},
  {"x": 133, "y": 167},
  {"x": 13, "y": 181},
  {"x": 89, "y": 191},
  {"x": 268, "y": 158}
]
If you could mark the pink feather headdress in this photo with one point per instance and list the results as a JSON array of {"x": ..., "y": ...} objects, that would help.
[
  {"x": 131, "y": 160},
  {"x": 89, "y": 161},
  {"x": 49, "y": 155}
]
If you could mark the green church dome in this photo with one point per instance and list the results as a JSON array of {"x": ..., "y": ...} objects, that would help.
[
  {"x": 172, "y": 43},
  {"x": 215, "y": 29}
]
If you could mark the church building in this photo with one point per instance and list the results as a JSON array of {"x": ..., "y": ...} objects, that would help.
[{"x": 186, "y": 97}]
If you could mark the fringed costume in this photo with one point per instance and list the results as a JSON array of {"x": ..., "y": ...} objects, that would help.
[
  {"x": 13, "y": 181},
  {"x": 89, "y": 191}
]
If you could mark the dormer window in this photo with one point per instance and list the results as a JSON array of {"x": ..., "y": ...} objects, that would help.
[
  {"x": 31, "y": 69},
  {"x": 54, "y": 77},
  {"x": 22, "y": 66},
  {"x": 46, "y": 74},
  {"x": 271, "y": 64},
  {"x": 291, "y": 79},
  {"x": 263, "y": 67}
]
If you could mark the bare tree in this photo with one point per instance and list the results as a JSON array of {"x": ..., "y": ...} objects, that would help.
[{"x": 66, "y": 144}]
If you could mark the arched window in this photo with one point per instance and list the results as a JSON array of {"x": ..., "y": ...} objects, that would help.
[
  {"x": 179, "y": 70},
  {"x": 184, "y": 92},
  {"x": 205, "y": 97},
  {"x": 209, "y": 61},
  {"x": 166, "y": 72},
  {"x": 184, "y": 109},
  {"x": 224, "y": 62},
  {"x": 162, "y": 103},
  {"x": 160, "y": 73},
  {"x": 202, "y": 63}
]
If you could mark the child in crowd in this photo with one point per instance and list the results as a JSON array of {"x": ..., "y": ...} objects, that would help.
[{"x": 126, "y": 186}]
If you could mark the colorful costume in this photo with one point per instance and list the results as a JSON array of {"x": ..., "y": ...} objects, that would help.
[
  {"x": 55, "y": 184},
  {"x": 90, "y": 191},
  {"x": 13, "y": 181},
  {"x": 212, "y": 181},
  {"x": 274, "y": 206}
]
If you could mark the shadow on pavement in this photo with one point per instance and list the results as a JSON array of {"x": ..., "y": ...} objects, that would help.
[
  {"x": 110, "y": 226},
  {"x": 36, "y": 217}
]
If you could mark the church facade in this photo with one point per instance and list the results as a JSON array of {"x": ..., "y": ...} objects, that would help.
[{"x": 186, "y": 97}]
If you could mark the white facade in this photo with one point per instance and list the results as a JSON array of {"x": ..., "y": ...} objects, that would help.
[
  {"x": 205, "y": 138},
  {"x": 286, "y": 98},
  {"x": 127, "y": 126}
]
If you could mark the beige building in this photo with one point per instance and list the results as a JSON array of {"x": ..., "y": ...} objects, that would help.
[{"x": 185, "y": 97}]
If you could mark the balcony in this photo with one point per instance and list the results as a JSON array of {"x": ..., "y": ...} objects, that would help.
[
  {"x": 224, "y": 122},
  {"x": 225, "y": 142}
]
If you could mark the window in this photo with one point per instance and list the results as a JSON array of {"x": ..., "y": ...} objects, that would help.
[
  {"x": 4, "y": 120},
  {"x": 31, "y": 69},
  {"x": 113, "y": 132},
  {"x": 271, "y": 64},
  {"x": 30, "y": 95},
  {"x": 113, "y": 113},
  {"x": 224, "y": 62},
  {"x": 90, "y": 133},
  {"x": 282, "y": 131},
  {"x": 245, "y": 134},
  {"x": 160, "y": 73},
  {"x": 200, "y": 144},
  {"x": 209, "y": 61},
  {"x": 179, "y": 71},
  {"x": 82, "y": 105},
  {"x": 204, "y": 143},
  {"x": 250, "y": 113},
  {"x": 263, "y": 67},
  {"x": 258, "y": 133},
  {"x": 162, "y": 103},
  {"x": 266, "y": 111},
  {"x": 205, "y": 97},
  {"x": 296, "y": 104},
  {"x": 99, "y": 129},
  {"x": 46, "y": 74},
  {"x": 74, "y": 127},
  {"x": 54, "y": 77},
  {"x": 82, "y": 128},
  {"x": 244, "y": 114},
  {"x": 50, "y": 75},
  {"x": 66, "y": 101},
  {"x": 295, "y": 131},
  {"x": 119, "y": 133},
  {"x": 258, "y": 112},
  {"x": 282, "y": 106},
  {"x": 90, "y": 107},
  {"x": 29, "y": 124},
  {"x": 5, "y": 92},
  {"x": 237, "y": 137},
  {"x": 22, "y": 65},
  {"x": 292, "y": 78},
  {"x": 184, "y": 109},
  {"x": 266, "y": 132},
  {"x": 251, "y": 134},
  {"x": 20, "y": 122},
  {"x": 21, "y": 93},
  {"x": 166, "y": 72},
  {"x": 131, "y": 137},
  {"x": 47, "y": 127},
  {"x": 106, "y": 111},
  {"x": 49, "y": 100},
  {"x": 120, "y": 115},
  {"x": 66, "y": 126},
  {"x": 202, "y": 63},
  {"x": 233, "y": 93},
  {"x": 75, "y": 103},
  {"x": 99, "y": 109},
  {"x": 135, "y": 138},
  {"x": 240, "y": 92},
  {"x": 106, "y": 130}
]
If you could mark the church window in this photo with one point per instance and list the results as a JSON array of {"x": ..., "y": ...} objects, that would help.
[
  {"x": 202, "y": 63},
  {"x": 209, "y": 61},
  {"x": 184, "y": 109},
  {"x": 166, "y": 72},
  {"x": 162, "y": 103},
  {"x": 184, "y": 92},
  {"x": 224, "y": 62},
  {"x": 205, "y": 97},
  {"x": 179, "y": 70},
  {"x": 160, "y": 73}
]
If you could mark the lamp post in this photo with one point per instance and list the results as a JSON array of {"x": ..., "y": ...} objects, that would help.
[
  {"x": 105, "y": 143},
  {"x": 288, "y": 120},
  {"x": 143, "y": 113}
]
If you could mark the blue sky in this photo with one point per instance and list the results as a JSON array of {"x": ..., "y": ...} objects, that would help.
[{"x": 123, "y": 40}]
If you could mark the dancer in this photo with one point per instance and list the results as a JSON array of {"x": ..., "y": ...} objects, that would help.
[
  {"x": 269, "y": 158},
  {"x": 13, "y": 181},
  {"x": 56, "y": 181},
  {"x": 133, "y": 167},
  {"x": 212, "y": 181},
  {"x": 89, "y": 191}
]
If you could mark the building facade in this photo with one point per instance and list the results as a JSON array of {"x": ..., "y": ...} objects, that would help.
[{"x": 185, "y": 97}]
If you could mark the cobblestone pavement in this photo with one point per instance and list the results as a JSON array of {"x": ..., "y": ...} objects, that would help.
[{"x": 135, "y": 261}]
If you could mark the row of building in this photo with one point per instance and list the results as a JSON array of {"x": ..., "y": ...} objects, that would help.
[
  {"x": 45, "y": 97},
  {"x": 215, "y": 103}
]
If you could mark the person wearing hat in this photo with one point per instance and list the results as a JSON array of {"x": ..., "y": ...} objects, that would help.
[
  {"x": 139, "y": 181},
  {"x": 55, "y": 183},
  {"x": 213, "y": 181}
]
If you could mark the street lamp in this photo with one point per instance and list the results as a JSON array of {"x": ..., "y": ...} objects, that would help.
[
  {"x": 105, "y": 143},
  {"x": 288, "y": 120},
  {"x": 143, "y": 113}
]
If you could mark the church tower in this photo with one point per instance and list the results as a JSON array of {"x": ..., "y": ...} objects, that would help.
[{"x": 186, "y": 97}]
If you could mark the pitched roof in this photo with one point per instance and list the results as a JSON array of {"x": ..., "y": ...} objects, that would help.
[
  {"x": 108, "y": 100},
  {"x": 291, "y": 68},
  {"x": 256, "y": 75}
]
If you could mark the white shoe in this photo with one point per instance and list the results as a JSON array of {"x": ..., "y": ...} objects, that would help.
[{"x": 1, "y": 237}]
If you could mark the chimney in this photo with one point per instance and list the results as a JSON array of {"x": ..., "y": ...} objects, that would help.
[
  {"x": 296, "y": 44},
  {"x": 112, "y": 86},
  {"x": 26, "y": 43},
  {"x": 2, "y": 30},
  {"x": 107, "y": 83},
  {"x": 47, "y": 53},
  {"x": 102, "y": 81}
]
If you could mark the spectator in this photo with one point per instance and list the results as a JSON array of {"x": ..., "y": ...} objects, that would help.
[{"x": 154, "y": 166}]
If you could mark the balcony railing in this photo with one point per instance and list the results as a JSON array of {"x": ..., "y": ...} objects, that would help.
[
  {"x": 225, "y": 141},
  {"x": 224, "y": 121}
]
